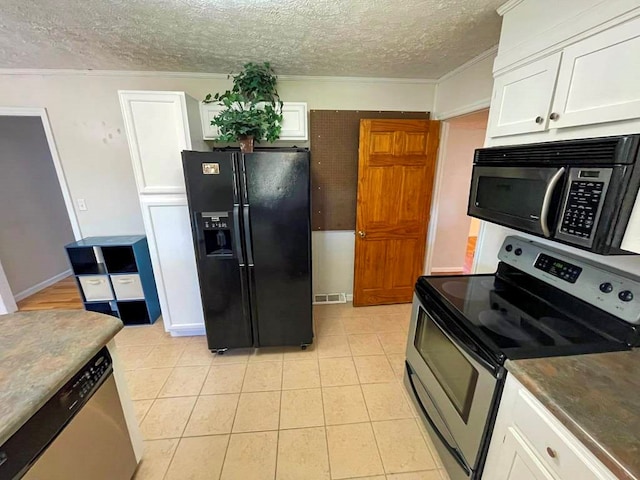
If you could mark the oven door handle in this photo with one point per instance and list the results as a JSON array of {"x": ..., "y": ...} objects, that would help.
[
  {"x": 464, "y": 343},
  {"x": 546, "y": 202},
  {"x": 435, "y": 419}
]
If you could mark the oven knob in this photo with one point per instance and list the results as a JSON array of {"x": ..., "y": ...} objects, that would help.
[
  {"x": 508, "y": 248},
  {"x": 625, "y": 296},
  {"x": 606, "y": 287},
  {"x": 518, "y": 252}
]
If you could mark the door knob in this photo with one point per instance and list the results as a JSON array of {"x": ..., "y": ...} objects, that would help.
[{"x": 362, "y": 234}]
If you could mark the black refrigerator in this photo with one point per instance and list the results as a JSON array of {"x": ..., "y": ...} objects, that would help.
[{"x": 250, "y": 219}]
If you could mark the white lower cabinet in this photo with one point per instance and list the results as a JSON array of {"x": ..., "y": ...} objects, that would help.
[
  {"x": 518, "y": 461},
  {"x": 529, "y": 443},
  {"x": 166, "y": 219}
]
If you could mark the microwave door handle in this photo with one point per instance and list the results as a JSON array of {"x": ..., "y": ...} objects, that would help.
[{"x": 546, "y": 202}]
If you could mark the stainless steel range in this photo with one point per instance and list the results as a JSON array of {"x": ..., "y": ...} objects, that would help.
[{"x": 541, "y": 302}]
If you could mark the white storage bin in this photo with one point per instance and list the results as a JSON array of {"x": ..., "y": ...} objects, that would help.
[
  {"x": 96, "y": 287},
  {"x": 127, "y": 287}
]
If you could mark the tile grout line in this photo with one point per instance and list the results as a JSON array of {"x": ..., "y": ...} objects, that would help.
[
  {"x": 325, "y": 426},
  {"x": 226, "y": 450},
  {"x": 275, "y": 470}
]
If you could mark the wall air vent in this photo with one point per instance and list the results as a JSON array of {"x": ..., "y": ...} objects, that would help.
[{"x": 325, "y": 298}]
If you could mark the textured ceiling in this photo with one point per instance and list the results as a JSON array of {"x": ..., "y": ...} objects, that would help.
[{"x": 377, "y": 38}]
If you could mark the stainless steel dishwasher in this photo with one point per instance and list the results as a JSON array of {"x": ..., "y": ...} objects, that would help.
[{"x": 80, "y": 433}]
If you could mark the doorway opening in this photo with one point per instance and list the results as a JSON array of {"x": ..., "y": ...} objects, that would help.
[
  {"x": 40, "y": 220},
  {"x": 452, "y": 233}
]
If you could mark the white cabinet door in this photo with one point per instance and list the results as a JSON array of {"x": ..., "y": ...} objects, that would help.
[
  {"x": 157, "y": 126},
  {"x": 207, "y": 113},
  {"x": 518, "y": 461},
  {"x": 168, "y": 230},
  {"x": 294, "y": 121},
  {"x": 522, "y": 98},
  {"x": 599, "y": 79}
]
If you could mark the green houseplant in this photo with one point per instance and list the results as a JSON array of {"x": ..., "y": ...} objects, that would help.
[{"x": 252, "y": 107}]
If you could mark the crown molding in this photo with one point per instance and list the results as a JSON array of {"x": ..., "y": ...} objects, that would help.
[
  {"x": 213, "y": 76},
  {"x": 486, "y": 54},
  {"x": 508, "y": 6}
]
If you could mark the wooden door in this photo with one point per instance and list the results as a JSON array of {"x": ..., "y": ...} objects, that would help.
[
  {"x": 395, "y": 178},
  {"x": 522, "y": 98}
]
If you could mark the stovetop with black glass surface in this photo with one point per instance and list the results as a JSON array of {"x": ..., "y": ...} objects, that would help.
[{"x": 513, "y": 315}]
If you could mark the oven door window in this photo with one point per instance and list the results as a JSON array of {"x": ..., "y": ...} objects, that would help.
[{"x": 457, "y": 377}]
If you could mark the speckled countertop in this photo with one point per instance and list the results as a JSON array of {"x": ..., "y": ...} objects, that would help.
[
  {"x": 597, "y": 397},
  {"x": 39, "y": 353}
]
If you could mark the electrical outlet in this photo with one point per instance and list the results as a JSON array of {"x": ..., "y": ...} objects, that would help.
[{"x": 82, "y": 205}]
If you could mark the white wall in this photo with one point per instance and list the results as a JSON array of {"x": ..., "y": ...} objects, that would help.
[
  {"x": 34, "y": 224},
  {"x": 87, "y": 124},
  {"x": 466, "y": 89},
  {"x": 464, "y": 135}
]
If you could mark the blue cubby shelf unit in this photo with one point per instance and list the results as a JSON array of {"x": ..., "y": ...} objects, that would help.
[{"x": 115, "y": 277}]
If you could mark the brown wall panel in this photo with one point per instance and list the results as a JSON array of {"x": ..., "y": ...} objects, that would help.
[{"x": 334, "y": 164}]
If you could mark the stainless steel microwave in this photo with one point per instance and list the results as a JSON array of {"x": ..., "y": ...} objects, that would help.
[{"x": 578, "y": 192}]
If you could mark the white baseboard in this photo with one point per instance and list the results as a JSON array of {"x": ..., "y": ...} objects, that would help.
[
  {"x": 41, "y": 286},
  {"x": 447, "y": 270},
  {"x": 349, "y": 297},
  {"x": 187, "y": 330}
]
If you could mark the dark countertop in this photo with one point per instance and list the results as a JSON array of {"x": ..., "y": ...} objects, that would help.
[
  {"x": 597, "y": 397},
  {"x": 39, "y": 352}
]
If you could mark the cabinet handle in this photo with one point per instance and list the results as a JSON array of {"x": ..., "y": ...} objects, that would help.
[
  {"x": 94, "y": 282},
  {"x": 539, "y": 120},
  {"x": 551, "y": 452},
  {"x": 362, "y": 234},
  {"x": 554, "y": 116},
  {"x": 125, "y": 280}
]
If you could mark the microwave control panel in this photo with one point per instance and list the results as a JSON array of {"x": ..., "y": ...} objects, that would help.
[
  {"x": 581, "y": 207},
  {"x": 582, "y": 204}
]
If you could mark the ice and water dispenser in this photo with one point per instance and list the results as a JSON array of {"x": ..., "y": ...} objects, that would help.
[{"x": 216, "y": 230}]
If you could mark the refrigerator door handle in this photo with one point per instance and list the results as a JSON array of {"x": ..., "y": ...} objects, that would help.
[
  {"x": 235, "y": 179},
  {"x": 237, "y": 239},
  {"x": 247, "y": 235},
  {"x": 245, "y": 291},
  {"x": 245, "y": 192},
  {"x": 199, "y": 234}
]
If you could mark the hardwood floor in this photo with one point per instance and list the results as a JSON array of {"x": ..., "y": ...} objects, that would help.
[
  {"x": 471, "y": 250},
  {"x": 63, "y": 295}
]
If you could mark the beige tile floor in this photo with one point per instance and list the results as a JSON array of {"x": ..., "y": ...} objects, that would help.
[{"x": 338, "y": 410}]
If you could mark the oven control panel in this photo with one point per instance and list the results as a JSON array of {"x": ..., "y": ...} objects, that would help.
[
  {"x": 558, "y": 268},
  {"x": 600, "y": 285}
]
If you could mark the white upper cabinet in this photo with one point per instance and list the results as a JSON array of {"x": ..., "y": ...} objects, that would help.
[
  {"x": 208, "y": 111},
  {"x": 599, "y": 79},
  {"x": 159, "y": 127},
  {"x": 588, "y": 79},
  {"x": 522, "y": 98},
  {"x": 294, "y": 121}
]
